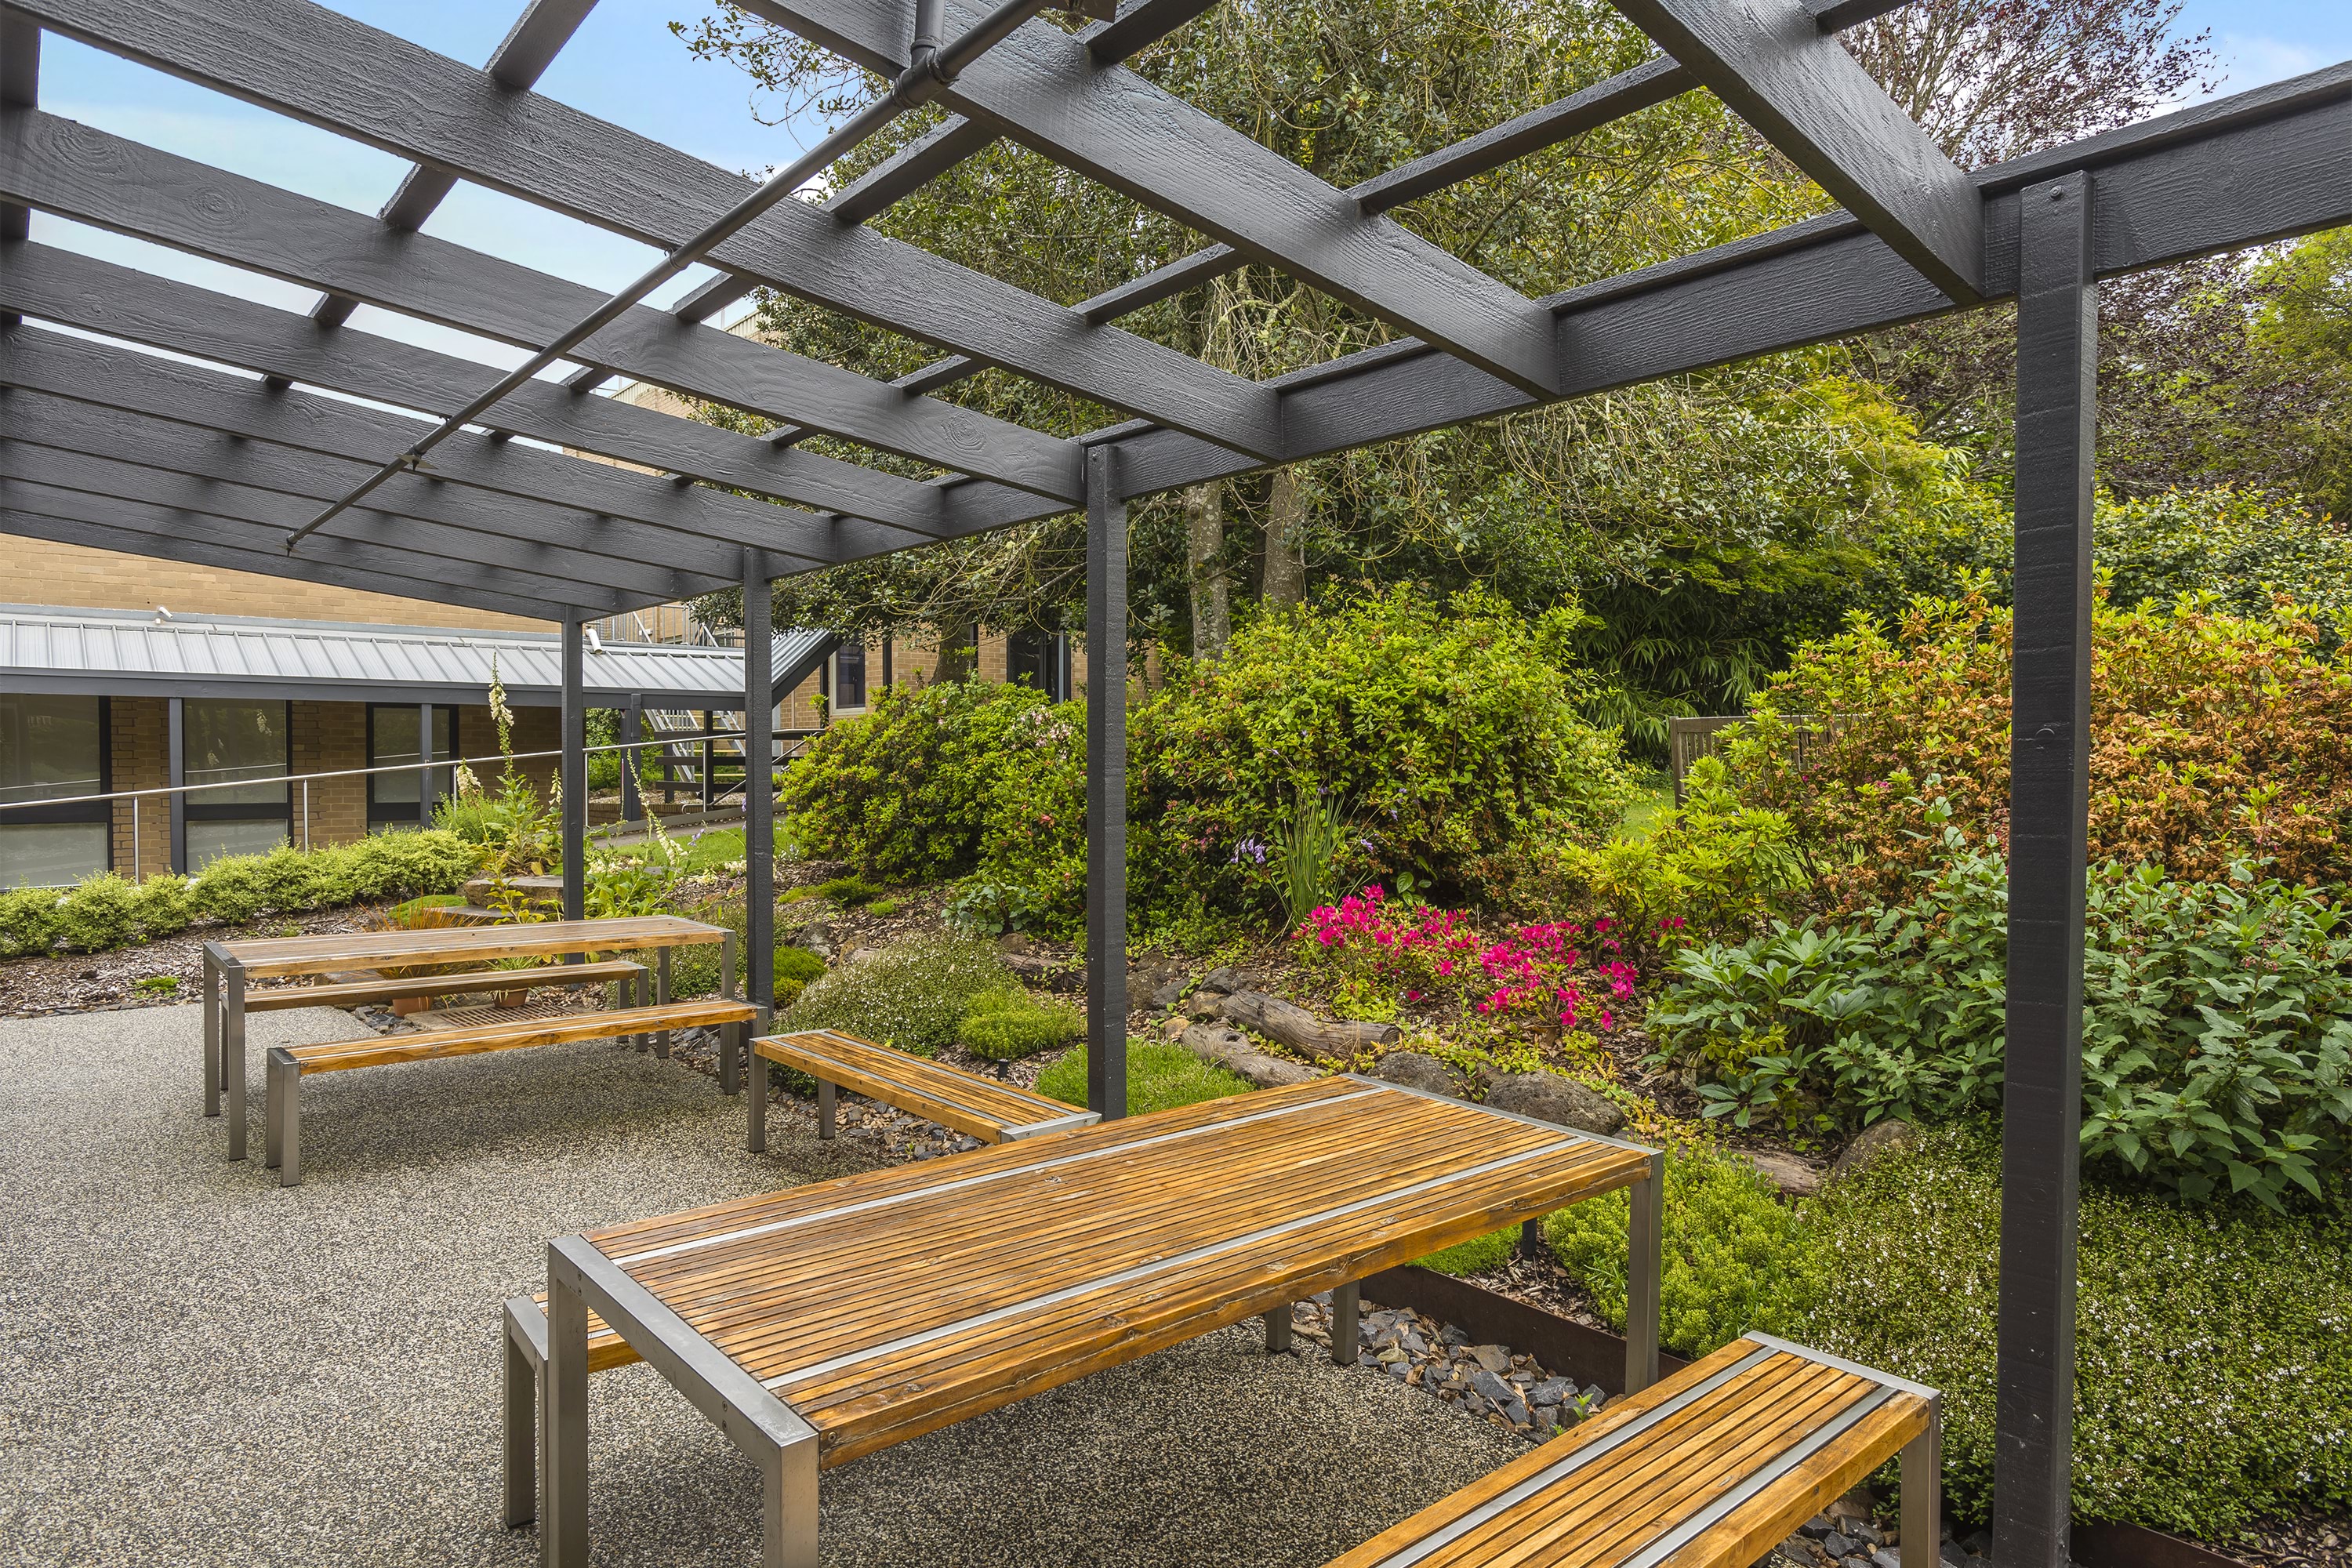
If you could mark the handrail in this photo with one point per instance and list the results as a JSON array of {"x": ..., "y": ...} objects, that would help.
[{"x": 696, "y": 739}]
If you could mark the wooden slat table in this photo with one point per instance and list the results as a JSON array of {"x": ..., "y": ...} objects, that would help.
[
  {"x": 831, "y": 1320},
  {"x": 229, "y": 967}
]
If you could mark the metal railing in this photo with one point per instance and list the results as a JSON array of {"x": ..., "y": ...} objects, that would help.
[{"x": 785, "y": 747}]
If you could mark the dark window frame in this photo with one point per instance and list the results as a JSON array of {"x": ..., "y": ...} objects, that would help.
[
  {"x": 196, "y": 808},
  {"x": 403, "y": 813},
  {"x": 94, "y": 813}
]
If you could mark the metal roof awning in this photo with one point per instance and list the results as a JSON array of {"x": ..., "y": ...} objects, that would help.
[{"x": 137, "y": 653}]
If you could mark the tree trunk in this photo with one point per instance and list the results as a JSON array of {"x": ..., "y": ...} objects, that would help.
[
  {"x": 956, "y": 653},
  {"x": 1212, "y": 590},
  {"x": 1284, "y": 578}
]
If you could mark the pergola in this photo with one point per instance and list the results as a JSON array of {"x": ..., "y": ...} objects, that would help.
[{"x": 105, "y": 446}]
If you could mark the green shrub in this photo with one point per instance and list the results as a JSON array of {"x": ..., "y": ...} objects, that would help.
[
  {"x": 1732, "y": 1254},
  {"x": 909, "y": 996},
  {"x": 903, "y": 791},
  {"x": 100, "y": 912},
  {"x": 797, "y": 963},
  {"x": 28, "y": 922},
  {"x": 1476, "y": 1255},
  {"x": 1005, "y": 1023},
  {"x": 883, "y": 908},
  {"x": 2213, "y": 1346},
  {"x": 229, "y": 890},
  {"x": 292, "y": 879},
  {"x": 1160, "y": 1075},
  {"x": 1451, "y": 731},
  {"x": 2216, "y": 1036},
  {"x": 162, "y": 907},
  {"x": 848, "y": 892},
  {"x": 403, "y": 864}
]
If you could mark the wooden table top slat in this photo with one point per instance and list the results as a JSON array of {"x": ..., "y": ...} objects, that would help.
[
  {"x": 265, "y": 957},
  {"x": 891, "y": 1302},
  {"x": 1005, "y": 1103},
  {"x": 337, "y": 1056}
]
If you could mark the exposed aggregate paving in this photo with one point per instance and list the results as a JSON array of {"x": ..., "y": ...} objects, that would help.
[{"x": 199, "y": 1367}]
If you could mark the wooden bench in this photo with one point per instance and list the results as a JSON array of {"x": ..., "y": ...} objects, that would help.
[
  {"x": 369, "y": 993},
  {"x": 1710, "y": 1468},
  {"x": 987, "y": 1109},
  {"x": 289, "y": 1065}
]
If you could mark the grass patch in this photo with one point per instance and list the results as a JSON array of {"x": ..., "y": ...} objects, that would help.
[
  {"x": 1160, "y": 1075},
  {"x": 1651, "y": 808}
]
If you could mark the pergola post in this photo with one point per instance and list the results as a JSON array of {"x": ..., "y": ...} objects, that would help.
[
  {"x": 1106, "y": 786},
  {"x": 424, "y": 775},
  {"x": 575, "y": 765},
  {"x": 2049, "y": 813},
  {"x": 633, "y": 730},
  {"x": 759, "y": 793}
]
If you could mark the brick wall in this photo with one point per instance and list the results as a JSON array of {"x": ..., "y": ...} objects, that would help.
[
  {"x": 330, "y": 737},
  {"x": 136, "y": 730},
  {"x": 78, "y": 576}
]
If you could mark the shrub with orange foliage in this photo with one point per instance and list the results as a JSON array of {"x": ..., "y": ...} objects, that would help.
[{"x": 2215, "y": 739}]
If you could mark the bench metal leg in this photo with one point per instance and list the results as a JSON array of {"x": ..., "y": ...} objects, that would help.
[
  {"x": 1277, "y": 1330},
  {"x": 232, "y": 1056},
  {"x": 212, "y": 985},
  {"x": 1645, "y": 1239},
  {"x": 827, "y": 1100},
  {"x": 526, "y": 1327},
  {"x": 282, "y": 1131},
  {"x": 662, "y": 1041},
  {"x": 1531, "y": 1241},
  {"x": 755, "y": 1108},
  {"x": 1923, "y": 1494},
  {"x": 788, "y": 1504},
  {"x": 564, "y": 1521},
  {"x": 1346, "y": 1305},
  {"x": 732, "y": 1037}
]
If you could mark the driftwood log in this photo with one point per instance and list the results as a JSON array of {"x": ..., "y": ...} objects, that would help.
[
  {"x": 1235, "y": 1051},
  {"x": 1301, "y": 1030}
]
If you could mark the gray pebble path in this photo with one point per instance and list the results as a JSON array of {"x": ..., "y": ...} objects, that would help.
[{"x": 199, "y": 1367}]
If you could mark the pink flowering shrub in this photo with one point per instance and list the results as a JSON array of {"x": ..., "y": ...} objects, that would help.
[{"x": 1559, "y": 973}]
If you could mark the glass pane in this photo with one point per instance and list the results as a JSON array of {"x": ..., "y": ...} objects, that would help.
[
  {"x": 392, "y": 740},
  {"x": 51, "y": 854},
  {"x": 49, "y": 748},
  {"x": 208, "y": 841},
  {"x": 849, "y": 677},
  {"x": 237, "y": 741}
]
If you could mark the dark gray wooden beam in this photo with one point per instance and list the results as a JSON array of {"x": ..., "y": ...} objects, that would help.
[
  {"x": 61, "y": 166},
  {"x": 590, "y": 547},
  {"x": 1139, "y": 24},
  {"x": 1044, "y": 88},
  {"x": 2262, "y": 166},
  {"x": 538, "y": 35},
  {"x": 100, "y": 297},
  {"x": 918, "y": 162},
  {"x": 318, "y": 66},
  {"x": 104, "y": 375},
  {"x": 90, "y": 498},
  {"x": 1772, "y": 63},
  {"x": 20, "y": 87},
  {"x": 163, "y": 543},
  {"x": 551, "y": 570},
  {"x": 2049, "y": 825}
]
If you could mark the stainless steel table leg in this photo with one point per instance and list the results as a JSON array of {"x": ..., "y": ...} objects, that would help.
[
  {"x": 1645, "y": 1239},
  {"x": 827, "y": 1100},
  {"x": 526, "y": 1329},
  {"x": 730, "y": 1037},
  {"x": 662, "y": 1041},
  {"x": 755, "y": 1107},
  {"x": 233, "y": 1054},
  {"x": 212, "y": 1030},
  {"x": 1347, "y": 1304},
  {"x": 1923, "y": 1492},
  {"x": 564, "y": 1526},
  {"x": 788, "y": 1504},
  {"x": 1277, "y": 1330}
]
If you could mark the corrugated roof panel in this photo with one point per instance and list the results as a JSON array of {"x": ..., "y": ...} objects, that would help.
[{"x": 38, "y": 640}]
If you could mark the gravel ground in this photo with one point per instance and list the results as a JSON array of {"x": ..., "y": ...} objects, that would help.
[{"x": 199, "y": 1367}]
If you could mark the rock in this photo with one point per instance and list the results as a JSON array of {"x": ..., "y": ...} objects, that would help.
[
  {"x": 1795, "y": 1177},
  {"x": 1886, "y": 1557},
  {"x": 1168, "y": 993},
  {"x": 1226, "y": 981},
  {"x": 1548, "y": 1097},
  {"x": 1414, "y": 1070},
  {"x": 1013, "y": 942},
  {"x": 1231, "y": 1049},
  {"x": 1492, "y": 1389},
  {"x": 1838, "y": 1544},
  {"x": 1815, "y": 1527},
  {"x": 1872, "y": 1141},
  {"x": 1173, "y": 1029},
  {"x": 860, "y": 954},
  {"x": 1493, "y": 1358},
  {"x": 1517, "y": 1414},
  {"x": 1552, "y": 1391}
]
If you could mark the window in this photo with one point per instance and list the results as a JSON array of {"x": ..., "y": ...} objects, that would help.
[
  {"x": 392, "y": 739},
  {"x": 51, "y": 748},
  {"x": 245, "y": 746},
  {"x": 1042, "y": 659},
  {"x": 849, "y": 678}
]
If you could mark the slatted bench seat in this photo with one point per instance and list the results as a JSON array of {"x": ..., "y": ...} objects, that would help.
[
  {"x": 1709, "y": 1468},
  {"x": 368, "y": 993},
  {"x": 987, "y": 1109},
  {"x": 289, "y": 1065}
]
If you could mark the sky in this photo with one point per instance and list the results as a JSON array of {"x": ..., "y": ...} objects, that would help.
[{"x": 624, "y": 66}]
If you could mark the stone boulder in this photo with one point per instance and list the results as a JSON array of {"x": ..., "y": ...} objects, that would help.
[
  {"x": 1548, "y": 1097},
  {"x": 1795, "y": 1177},
  {"x": 1230, "y": 1049},
  {"x": 1874, "y": 1139},
  {"x": 1414, "y": 1070}
]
